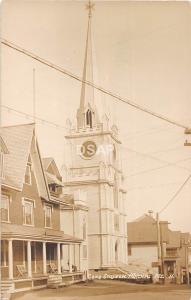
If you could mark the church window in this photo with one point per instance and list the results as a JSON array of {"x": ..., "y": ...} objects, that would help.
[
  {"x": 85, "y": 254},
  {"x": 89, "y": 118},
  {"x": 116, "y": 222},
  {"x": 114, "y": 153},
  {"x": 84, "y": 230}
]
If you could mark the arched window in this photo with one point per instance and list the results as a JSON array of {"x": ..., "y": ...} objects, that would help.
[
  {"x": 114, "y": 154},
  {"x": 89, "y": 118}
]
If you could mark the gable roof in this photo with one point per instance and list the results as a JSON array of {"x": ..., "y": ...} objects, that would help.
[
  {"x": 46, "y": 162},
  {"x": 50, "y": 167},
  {"x": 144, "y": 230},
  {"x": 142, "y": 233},
  {"x": 145, "y": 218},
  {"x": 18, "y": 139}
]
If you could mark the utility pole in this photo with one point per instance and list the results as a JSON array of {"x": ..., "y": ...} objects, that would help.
[
  {"x": 158, "y": 243},
  {"x": 162, "y": 253},
  {"x": 187, "y": 248},
  {"x": 34, "y": 95},
  {"x": 187, "y": 143},
  {"x": 160, "y": 248}
]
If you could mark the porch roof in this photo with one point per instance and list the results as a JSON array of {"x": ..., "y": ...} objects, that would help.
[{"x": 35, "y": 233}]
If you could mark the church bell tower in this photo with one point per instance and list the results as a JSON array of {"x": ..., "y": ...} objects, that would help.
[{"x": 95, "y": 167}]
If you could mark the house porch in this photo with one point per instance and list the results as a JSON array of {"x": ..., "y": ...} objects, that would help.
[{"x": 26, "y": 264}]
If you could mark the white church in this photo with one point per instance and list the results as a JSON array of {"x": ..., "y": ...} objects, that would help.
[{"x": 95, "y": 171}]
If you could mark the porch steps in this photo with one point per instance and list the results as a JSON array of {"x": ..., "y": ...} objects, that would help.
[
  {"x": 119, "y": 269},
  {"x": 6, "y": 289},
  {"x": 134, "y": 268},
  {"x": 57, "y": 280},
  {"x": 103, "y": 273},
  {"x": 54, "y": 281}
]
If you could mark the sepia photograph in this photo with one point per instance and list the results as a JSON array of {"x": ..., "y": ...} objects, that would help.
[{"x": 95, "y": 149}]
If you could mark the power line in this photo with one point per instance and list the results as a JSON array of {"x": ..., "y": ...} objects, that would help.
[
  {"x": 154, "y": 158},
  {"x": 154, "y": 169},
  {"x": 146, "y": 133},
  {"x": 176, "y": 194},
  {"x": 57, "y": 126},
  {"x": 151, "y": 186},
  {"x": 169, "y": 149},
  {"x": 101, "y": 89},
  {"x": 29, "y": 116}
]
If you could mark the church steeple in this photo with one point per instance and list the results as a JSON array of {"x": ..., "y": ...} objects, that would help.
[{"x": 86, "y": 114}]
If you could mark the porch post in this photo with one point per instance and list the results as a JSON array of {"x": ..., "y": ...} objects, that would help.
[
  {"x": 58, "y": 258},
  {"x": 10, "y": 258},
  {"x": 62, "y": 256},
  {"x": 80, "y": 246},
  {"x": 44, "y": 257},
  {"x": 29, "y": 259},
  {"x": 69, "y": 258}
]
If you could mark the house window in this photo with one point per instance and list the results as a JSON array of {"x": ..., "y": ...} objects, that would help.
[
  {"x": 85, "y": 251},
  {"x": 116, "y": 222},
  {"x": 129, "y": 250},
  {"x": 48, "y": 216},
  {"x": 28, "y": 174},
  {"x": 2, "y": 165},
  {"x": 5, "y": 208},
  {"x": 28, "y": 210},
  {"x": 4, "y": 253}
]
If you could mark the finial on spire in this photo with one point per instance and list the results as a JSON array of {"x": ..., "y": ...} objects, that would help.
[{"x": 90, "y": 7}]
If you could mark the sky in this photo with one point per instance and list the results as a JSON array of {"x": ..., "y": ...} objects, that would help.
[{"x": 142, "y": 52}]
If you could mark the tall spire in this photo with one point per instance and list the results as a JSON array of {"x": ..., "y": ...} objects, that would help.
[{"x": 86, "y": 115}]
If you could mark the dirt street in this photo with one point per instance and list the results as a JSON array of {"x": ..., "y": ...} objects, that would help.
[{"x": 110, "y": 290}]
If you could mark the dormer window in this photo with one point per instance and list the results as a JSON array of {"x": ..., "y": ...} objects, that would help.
[
  {"x": 89, "y": 118},
  {"x": 53, "y": 187}
]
